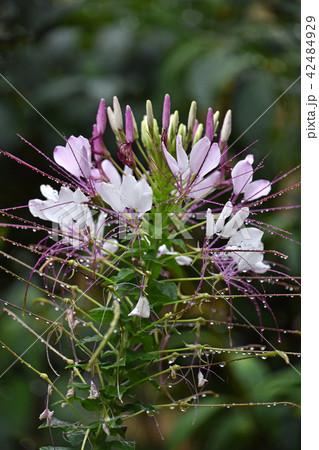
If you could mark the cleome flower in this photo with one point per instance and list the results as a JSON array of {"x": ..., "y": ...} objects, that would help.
[
  {"x": 127, "y": 193},
  {"x": 242, "y": 175},
  {"x": 189, "y": 172},
  {"x": 75, "y": 156},
  {"x": 180, "y": 259},
  {"x": 70, "y": 211},
  {"x": 240, "y": 243},
  {"x": 142, "y": 308}
]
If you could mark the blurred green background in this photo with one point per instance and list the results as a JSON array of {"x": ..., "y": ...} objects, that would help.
[{"x": 63, "y": 56}]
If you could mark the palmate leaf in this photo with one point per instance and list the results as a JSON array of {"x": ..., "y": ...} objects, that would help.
[{"x": 161, "y": 292}]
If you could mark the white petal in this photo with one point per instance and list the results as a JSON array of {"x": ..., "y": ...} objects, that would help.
[
  {"x": 171, "y": 161},
  {"x": 235, "y": 222},
  {"x": 48, "y": 192},
  {"x": 129, "y": 191},
  {"x": 142, "y": 308},
  {"x": 111, "y": 246},
  {"x": 37, "y": 208},
  {"x": 210, "y": 223},
  {"x": 182, "y": 158},
  {"x": 183, "y": 260},
  {"x": 226, "y": 212},
  {"x": 111, "y": 195}
]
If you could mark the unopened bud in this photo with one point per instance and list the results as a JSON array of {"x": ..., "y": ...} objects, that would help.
[
  {"x": 166, "y": 112},
  {"x": 145, "y": 134},
  {"x": 173, "y": 125},
  {"x": 191, "y": 117},
  {"x": 198, "y": 134},
  {"x": 226, "y": 128},
  {"x": 183, "y": 132},
  {"x": 117, "y": 113},
  {"x": 136, "y": 134},
  {"x": 210, "y": 124},
  {"x": 149, "y": 115},
  {"x": 129, "y": 125},
  {"x": 112, "y": 121},
  {"x": 216, "y": 117}
]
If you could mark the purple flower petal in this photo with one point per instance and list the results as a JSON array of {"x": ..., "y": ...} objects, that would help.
[
  {"x": 256, "y": 189},
  {"x": 171, "y": 161},
  {"x": 182, "y": 158},
  {"x": 205, "y": 185},
  {"x": 242, "y": 174},
  {"x": 101, "y": 118},
  {"x": 75, "y": 157},
  {"x": 204, "y": 157},
  {"x": 129, "y": 125}
]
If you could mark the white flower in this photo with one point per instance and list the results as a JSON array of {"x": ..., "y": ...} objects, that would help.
[
  {"x": 62, "y": 207},
  {"x": 47, "y": 414},
  {"x": 242, "y": 241},
  {"x": 129, "y": 194},
  {"x": 201, "y": 380},
  {"x": 229, "y": 229},
  {"x": 142, "y": 308},
  {"x": 181, "y": 259},
  {"x": 69, "y": 210}
]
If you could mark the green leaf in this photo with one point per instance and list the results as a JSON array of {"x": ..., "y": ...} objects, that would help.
[
  {"x": 162, "y": 292},
  {"x": 113, "y": 444},
  {"x": 75, "y": 437},
  {"x": 125, "y": 274},
  {"x": 139, "y": 406},
  {"x": 102, "y": 315},
  {"x": 180, "y": 243},
  {"x": 146, "y": 339},
  {"x": 60, "y": 424}
]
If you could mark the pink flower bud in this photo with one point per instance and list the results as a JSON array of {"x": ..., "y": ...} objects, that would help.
[
  {"x": 210, "y": 124},
  {"x": 166, "y": 112},
  {"x": 129, "y": 125}
]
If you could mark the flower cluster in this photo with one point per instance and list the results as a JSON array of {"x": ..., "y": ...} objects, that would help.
[{"x": 127, "y": 230}]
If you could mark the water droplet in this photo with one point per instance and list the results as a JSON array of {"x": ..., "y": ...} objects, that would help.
[{"x": 222, "y": 364}]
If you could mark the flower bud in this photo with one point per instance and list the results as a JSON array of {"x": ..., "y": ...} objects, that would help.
[
  {"x": 129, "y": 125},
  {"x": 136, "y": 134},
  {"x": 183, "y": 132},
  {"x": 191, "y": 118},
  {"x": 210, "y": 124},
  {"x": 117, "y": 113},
  {"x": 145, "y": 133},
  {"x": 173, "y": 125},
  {"x": 226, "y": 128},
  {"x": 112, "y": 120},
  {"x": 149, "y": 115},
  {"x": 216, "y": 122},
  {"x": 166, "y": 112},
  {"x": 198, "y": 134}
]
